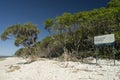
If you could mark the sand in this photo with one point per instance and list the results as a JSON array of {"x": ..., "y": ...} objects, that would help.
[{"x": 45, "y": 69}]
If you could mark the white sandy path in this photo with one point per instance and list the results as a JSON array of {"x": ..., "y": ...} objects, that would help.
[{"x": 54, "y": 70}]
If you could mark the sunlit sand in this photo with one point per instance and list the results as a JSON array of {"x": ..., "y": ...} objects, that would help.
[{"x": 45, "y": 69}]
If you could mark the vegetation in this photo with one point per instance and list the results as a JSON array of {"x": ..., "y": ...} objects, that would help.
[
  {"x": 24, "y": 35},
  {"x": 75, "y": 32},
  {"x": 70, "y": 33}
]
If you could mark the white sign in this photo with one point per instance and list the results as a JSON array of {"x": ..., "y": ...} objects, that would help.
[{"x": 104, "y": 39}]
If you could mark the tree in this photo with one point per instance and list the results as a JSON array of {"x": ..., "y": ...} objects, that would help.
[
  {"x": 25, "y": 34},
  {"x": 22, "y": 52},
  {"x": 48, "y": 25},
  {"x": 114, "y": 4}
]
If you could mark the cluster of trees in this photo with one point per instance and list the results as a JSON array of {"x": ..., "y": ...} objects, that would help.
[
  {"x": 75, "y": 32},
  {"x": 71, "y": 33}
]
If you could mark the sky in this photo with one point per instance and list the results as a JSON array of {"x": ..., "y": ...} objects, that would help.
[{"x": 36, "y": 12}]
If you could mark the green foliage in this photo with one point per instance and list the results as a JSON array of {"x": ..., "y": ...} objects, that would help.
[
  {"x": 22, "y": 52},
  {"x": 48, "y": 24},
  {"x": 76, "y": 31},
  {"x": 65, "y": 20},
  {"x": 25, "y": 35},
  {"x": 114, "y": 3}
]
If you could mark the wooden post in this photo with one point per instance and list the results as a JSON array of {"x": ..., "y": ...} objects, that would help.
[
  {"x": 96, "y": 55},
  {"x": 113, "y": 51}
]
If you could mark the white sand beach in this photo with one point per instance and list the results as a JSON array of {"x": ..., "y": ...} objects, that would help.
[{"x": 46, "y": 69}]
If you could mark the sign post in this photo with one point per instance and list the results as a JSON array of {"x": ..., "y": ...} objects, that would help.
[
  {"x": 104, "y": 40},
  {"x": 96, "y": 55},
  {"x": 113, "y": 54}
]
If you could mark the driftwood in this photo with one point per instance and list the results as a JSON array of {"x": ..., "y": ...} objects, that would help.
[{"x": 13, "y": 68}]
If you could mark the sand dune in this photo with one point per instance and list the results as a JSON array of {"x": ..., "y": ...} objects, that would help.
[{"x": 46, "y": 69}]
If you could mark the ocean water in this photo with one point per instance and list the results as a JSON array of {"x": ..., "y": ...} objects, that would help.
[{"x": 3, "y": 57}]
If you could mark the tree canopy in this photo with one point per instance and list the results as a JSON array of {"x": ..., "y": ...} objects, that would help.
[
  {"x": 24, "y": 35},
  {"x": 76, "y": 31}
]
